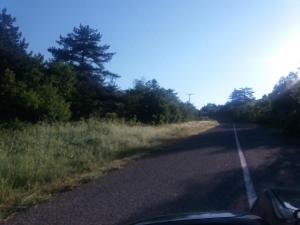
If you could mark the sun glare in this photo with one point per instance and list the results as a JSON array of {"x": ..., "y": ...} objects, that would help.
[{"x": 287, "y": 58}]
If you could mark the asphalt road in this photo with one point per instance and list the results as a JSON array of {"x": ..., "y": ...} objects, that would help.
[{"x": 199, "y": 174}]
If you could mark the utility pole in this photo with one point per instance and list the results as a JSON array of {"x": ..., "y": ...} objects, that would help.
[
  {"x": 189, "y": 94},
  {"x": 298, "y": 69}
]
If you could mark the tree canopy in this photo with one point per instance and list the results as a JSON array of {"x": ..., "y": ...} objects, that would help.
[
  {"x": 280, "y": 108},
  {"x": 82, "y": 49},
  {"x": 148, "y": 102},
  {"x": 242, "y": 95},
  {"x": 75, "y": 83}
]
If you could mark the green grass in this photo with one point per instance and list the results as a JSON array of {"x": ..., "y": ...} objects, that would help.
[{"x": 40, "y": 160}]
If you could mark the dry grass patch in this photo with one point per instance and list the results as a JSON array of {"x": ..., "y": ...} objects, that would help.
[{"x": 43, "y": 159}]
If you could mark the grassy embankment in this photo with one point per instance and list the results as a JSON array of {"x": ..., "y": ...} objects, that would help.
[{"x": 44, "y": 159}]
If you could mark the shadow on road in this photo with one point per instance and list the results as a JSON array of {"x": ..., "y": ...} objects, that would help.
[
  {"x": 273, "y": 160},
  {"x": 227, "y": 193},
  {"x": 200, "y": 173}
]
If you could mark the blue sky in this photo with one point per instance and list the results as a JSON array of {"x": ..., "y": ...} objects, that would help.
[{"x": 204, "y": 47}]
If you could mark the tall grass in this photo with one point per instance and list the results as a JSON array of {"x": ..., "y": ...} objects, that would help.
[{"x": 44, "y": 158}]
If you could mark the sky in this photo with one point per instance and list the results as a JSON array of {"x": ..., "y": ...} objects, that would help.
[{"x": 203, "y": 47}]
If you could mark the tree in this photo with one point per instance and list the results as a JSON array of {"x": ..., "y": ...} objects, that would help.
[
  {"x": 284, "y": 84},
  {"x": 240, "y": 108},
  {"x": 150, "y": 103},
  {"x": 209, "y": 108},
  {"x": 285, "y": 103},
  {"x": 20, "y": 101},
  {"x": 62, "y": 77},
  {"x": 242, "y": 95},
  {"x": 11, "y": 40},
  {"x": 30, "y": 88},
  {"x": 13, "y": 46},
  {"x": 83, "y": 50}
]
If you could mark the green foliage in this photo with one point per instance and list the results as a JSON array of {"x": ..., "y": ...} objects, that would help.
[
  {"x": 52, "y": 106},
  {"x": 63, "y": 78},
  {"x": 30, "y": 89},
  {"x": 75, "y": 83},
  {"x": 239, "y": 108},
  {"x": 242, "y": 95},
  {"x": 31, "y": 99},
  {"x": 280, "y": 108},
  {"x": 285, "y": 105},
  {"x": 150, "y": 103},
  {"x": 11, "y": 41},
  {"x": 82, "y": 49}
]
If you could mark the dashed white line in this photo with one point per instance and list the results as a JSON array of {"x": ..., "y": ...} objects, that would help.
[{"x": 251, "y": 194}]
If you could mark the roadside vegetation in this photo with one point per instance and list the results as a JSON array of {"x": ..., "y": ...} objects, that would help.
[
  {"x": 42, "y": 159},
  {"x": 279, "y": 109},
  {"x": 74, "y": 83},
  {"x": 63, "y": 120}
]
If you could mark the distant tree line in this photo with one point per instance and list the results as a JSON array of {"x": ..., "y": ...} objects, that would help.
[
  {"x": 280, "y": 108},
  {"x": 74, "y": 83}
]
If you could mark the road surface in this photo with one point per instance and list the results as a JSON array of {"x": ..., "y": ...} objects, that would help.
[{"x": 201, "y": 173}]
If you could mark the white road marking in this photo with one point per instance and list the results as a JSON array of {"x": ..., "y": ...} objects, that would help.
[{"x": 251, "y": 194}]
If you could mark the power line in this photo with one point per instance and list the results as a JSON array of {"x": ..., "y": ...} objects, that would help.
[{"x": 189, "y": 94}]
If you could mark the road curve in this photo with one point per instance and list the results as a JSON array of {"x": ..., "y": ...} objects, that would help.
[{"x": 199, "y": 174}]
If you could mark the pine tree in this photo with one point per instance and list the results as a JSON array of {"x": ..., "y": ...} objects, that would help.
[
  {"x": 83, "y": 50},
  {"x": 11, "y": 40}
]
